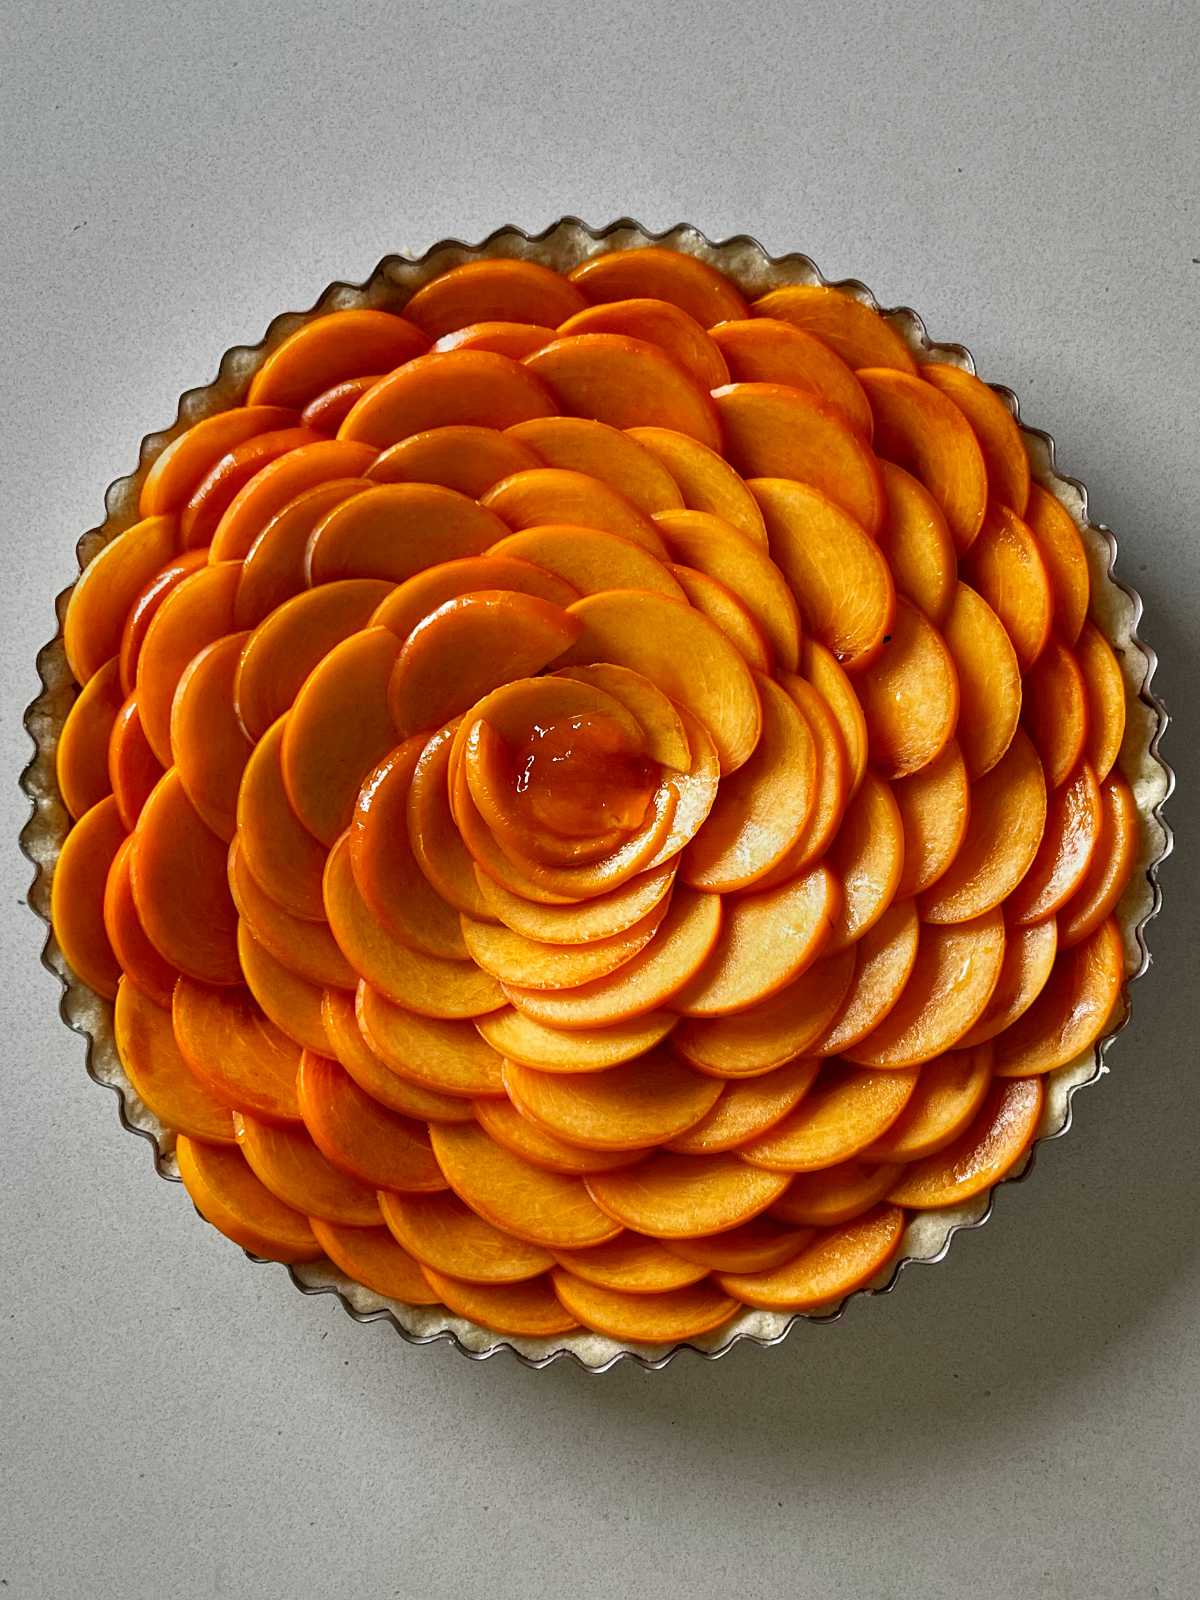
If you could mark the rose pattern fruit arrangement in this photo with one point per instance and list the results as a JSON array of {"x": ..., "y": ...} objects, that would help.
[{"x": 596, "y": 796}]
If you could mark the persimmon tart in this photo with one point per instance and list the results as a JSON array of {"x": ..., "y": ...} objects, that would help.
[{"x": 596, "y": 793}]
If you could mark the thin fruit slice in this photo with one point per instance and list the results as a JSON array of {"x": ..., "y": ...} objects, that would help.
[
  {"x": 146, "y": 606},
  {"x": 989, "y": 1147},
  {"x": 287, "y": 1161},
  {"x": 995, "y": 428},
  {"x": 546, "y": 1208},
  {"x": 844, "y": 1112},
  {"x": 916, "y": 541},
  {"x": 1007, "y": 569},
  {"x": 433, "y": 833},
  {"x": 160, "y": 1076},
  {"x": 326, "y": 411},
  {"x": 577, "y": 444},
  {"x": 834, "y": 1266},
  {"x": 512, "y": 958},
  {"x": 747, "y": 1110},
  {"x": 836, "y": 1194},
  {"x": 1073, "y": 826},
  {"x": 532, "y": 1310},
  {"x": 358, "y": 1135},
  {"x": 402, "y": 608},
  {"x": 207, "y": 740},
  {"x": 626, "y": 383},
  {"x": 462, "y": 457},
  {"x": 554, "y": 1050},
  {"x": 372, "y": 1073},
  {"x": 371, "y": 1256},
  {"x": 1028, "y": 962},
  {"x": 201, "y": 517},
  {"x": 768, "y": 350},
  {"x": 695, "y": 791},
  {"x": 855, "y": 330},
  {"x": 955, "y": 974},
  {"x": 517, "y": 1132},
  {"x": 1065, "y": 558},
  {"x": 446, "y": 1056},
  {"x": 773, "y": 1032},
  {"x": 631, "y": 1263},
  {"x": 226, "y": 1193},
  {"x": 949, "y": 1092},
  {"x": 820, "y": 668},
  {"x": 243, "y": 1058},
  {"x": 290, "y": 1001},
  {"x": 196, "y": 612},
  {"x": 645, "y": 1318},
  {"x": 767, "y": 940},
  {"x": 1071, "y": 1012},
  {"x": 660, "y": 274},
  {"x": 772, "y": 431},
  {"x": 1105, "y": 687},
  {"x": 682, "y": 1197},
  {"x": 81, "y": 760},
  {"x": 727, "y": 612},
  {"x": 330, "y": 348},
  {"x": 558, "y": 496},
  {"x": 754, "y": 1247},
  {"x": 1111, "y": 868},
  {"x": 989, "y": 680},
  {"x": 590, "y": 560},
  {"x": 1054, "y": 708},
  {"x": 917, "y": 427},
  {"x": 277, "y": 485},
  {"x": 934, "y": 807},
  {"x": 706, "y": 480},
  {"x": 886, "y": 956},
  {"x": 393, "y": 530},
  {"x": 476, "y": 387},
  {"x": 514, "y": 339},
  {"x": 645, "y": 1102},
  {"x": 443, "y": 1233},
  {"x": 1004, "y": 831},
  {"x": 839, "y": 576},
  {"x": 515, "y": 291},
  {"x": 279, "y": 851},
  {"x": 581, "y": 924},
  {"x": 192, "y": 454},
  {"x": 866, "y": 857},
  {"x": 180, "y": 888},
  {"x": 660, "y": 323},
  {"x": 831, "y": 784},
  {"x": 140, "y": 962},
  {"x": 133, "y": 768},
  {"x": 657, "y": 716},
  {"x": 910, "y": 695}
]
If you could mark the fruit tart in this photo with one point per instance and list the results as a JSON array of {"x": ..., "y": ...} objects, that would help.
[{"x": 596, "y": 793}]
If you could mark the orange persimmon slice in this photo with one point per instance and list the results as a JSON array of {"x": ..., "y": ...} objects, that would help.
[
  {"x": 1065, "y": 559},
  {"x": 133, "y": 768},
  {"x": 477, "y": 387},
  {"x": 1071, "y": 1012},
  {"x": 559, "y": 496},
  {"x": 528, "y": 1139},
  {"x": 916, "y": 542},
  {"x": 145, "y": 607},
  {"x": 844, "y": 1111},
  {"x": 934, "y": 807},
  {"x": 995, "y": 428},
  {"x": 820, "y": 668},
  {"x": 658, "y": 273},
  {"x": 656, "y": 715},
  {"x": 394, "y": 530},
  {"x": 326, "y": 411},
  {"x": 81, "y": 760},
  {"x": 200, "y": 518},
  {"x": 227, "y": 1193},
  {"x": 402, "y": 608},
  {"x": 631, "y": 1263},
  {"x": 660, "y": 323},
  {"x": 443, "y": 1233},
  {"x": 158, "y": 1072},
  {"x": 589, "y": 560},
  {"x": 232, "y": 1047},
  {"x": 768, "y": 350},
  {"x": 512, "y": 958},
  {"x": 442, "y": 1054},
  {"x": 305, "y": 946},
  {"x": 138, "y": 959},
  {"x": 856, "y": 331},
  {"x": 983, "y": 1153},
  {"x": 747, "y": 1109},
  {"x": 645, "y": 1318},
  {"x": 433, "y": 833},
  {"x": 285, "y": 1159},
  {"x": 581, "y": 924},
  {"x": 836, "y": 1194},
  {"x": 754, "y": 1247},
  {"x": 866, "y": 858},
  {"x": 625, "y": 382},
  {"x": 371, "y": 1256},
  {"x": 1007, "y": 569},
  {"x": 529, "y": 1309},
  {"x": 726, "y": 611},
  {"x": 1073, "y": 825},
  {"x": 989, "y": 679},
  {"x": 494, "y": 290},
  {"x": 918, "y": 428},
  {"x": 837, "y": 1263},
  {"x": 831, "y": 784},
  {"x": 197, "y": 612},
  {"x": 279, "y": 851},
  {"x": 578, "y": 444},
  {"x": 720, "y": 551},
  {"x": 360, "y": 1136},
  {"x": 909, "y": 695},
  {"x": 1105, "y": 686},
  {"x": 459, "y": 456},
  {"x": 277, "y": 485},
  {"x": 645, "y": 1102},
  {"x": 949, "y": 1092},
  {"x": 331, "y": 348},
  {"x": 207, "y": 739},
  {"x": 1055, "y": 711},
  {"x": 190, "y": 457},
  {"x": 533, "y": 1044},
  {"x": 276, "y": 565},
  {"x": 706, "y": 480},
  {"x": 290, "y": 1001},
  {"x": 1004, "y": 832},
  {"x": 513, "y": 339},
  {"x": 952, "y": 981},
  {"x": 1029, "y": 954},
  {"x": 682, "y": 1197},
  {"x": 180, "y": 887},
  {"x": 1111, "y": 868},
  {"x": 885, "y": 957},
  {"x": 373, "y": 1074},
  {"x": 106, "y": 590}
]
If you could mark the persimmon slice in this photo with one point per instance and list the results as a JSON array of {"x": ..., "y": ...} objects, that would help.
[
  {"x": 326, "y": 411},
  {"x": 1065, "y": 559},
  {"x": 476, "y": 387},
  {"x": 821, "y": 669},
  {"x": 139, "y": 961},
  {"x": 372, "y": 1073},
  {"x": 559, "y": 497},
  {"x": 513, "y": 339},
  {"x": 477, "y": 291},
  {"x": 160, "y": 1076},
  {"x": 1111, "y": 868},
  {"x": 660, "y": 323},
  {"x": 695, "y": 791},
  {"x": 433, "y": 834},
  {"x": 885, "y": 957},
  {"x": 586, "y": 922},
  {"x": 244, "y": 1058},
  {"x": 1071, "y": 1012},
  {"x": 836, "y": 1194},
  {"x": 180, "y": 888},
  {"x": 949, "y": 1092},
  {"x": 276, "y": 565},
  {"x": 866, "y": 857},
  {"x": 631, "y": 1263},
  {"x": 766, "y": 941},
  {"x": 989, "y": 680},
  {"x": 516, "y": 1132},
  {"x": 1105, "y": 688},
  {"x": 955, "y": 974},
  {"x": 766, "y": 1035},
  {"x": 682, "y": 1197},
  {"x": 534, "y": 1044},
  {"x": 625, "y": 382},
  {"x": 207, "y": 740},
  {"x": 460, "y": 456},
  {"x": 196, "y": 612},
  {"x": 290, "y": 1001},
  {"x": 360, "y": 1136},
  {"x": 1055, "y": 711},
  {"x": 371, "y": 1256},
  {"x": 831, "y": 784},
  {"x": 394, "y": 530},
  {"x": 983, "y": 1153},
  {"x": 1004, "y": 831},
  {"x": 200, "y": 518},
  {"x": 441, "y": 1054},
  {"x": 512, "y": 958},
  {"x": 133, "y": 768},
  {"x": 726, "y": 611},
  {"x": 277, "y": 485},
  {"x": 402, "y": 608},
  {"x": 836, "y": 1264},
  {"x": 1073, "y": 826},
  {"x": 754, "y": 1247},
  {"x": 773, "y": 431},
  {"x": 656, "y": 715},
  {"x": 909, "y": 695},
  {"x": 429, "y": 985},
  {"x": 546, "y": 1208},
  {"x": 706, "y": 480},
  {"x": 227, "y": 1193},
  {"x": 529, "y": 1309},
  {"x": 919, "y": 428},
  {"x": 716, "y": 548},
  {"x": 577, "y": 444},
  {"x": 837, "y": 573},
  {"x": 843, "y": 1112},
  {"x": 854, "y": 330},
  {"x": 684, "y": 654},
  {"x": 995, "y": 428},
  {"x": 645, "y": 1318},
  {"x": 279, "y": 851},
  {"x": 916, "y": 541},
  {"x": 746, "y": 1110},
  {"x": 443, "y": 1233},
  {"x": 1028, "y": 962},
  {"x": 146, "y": 607},
  {"x": 589, "y": 560},
  {"x": 285, "y": 1159},
  {"x": 768, "y": 350},
  {"x": 1007, "y": 569},
  {"x": 81, "y": 760},
  {"x": 645, "y": 1102},
  {"x": 189, "y": 458},
  {"x": 306, "y": 947},
  {"x": 660, "y": 274},
  {"x": 934, "y": 806},
  {"x": 330, "y": 348}
]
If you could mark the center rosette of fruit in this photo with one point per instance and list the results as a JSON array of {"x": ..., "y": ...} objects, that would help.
[{"x": 595, "y": 800}]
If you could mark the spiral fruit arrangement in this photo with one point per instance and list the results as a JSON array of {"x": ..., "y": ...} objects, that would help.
[{"x": 595, "y": 800}]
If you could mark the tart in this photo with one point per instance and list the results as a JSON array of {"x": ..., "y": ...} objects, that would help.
[{"x": 597, "y": 793}]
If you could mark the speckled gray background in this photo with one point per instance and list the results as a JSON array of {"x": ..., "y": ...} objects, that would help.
[{"x": 1024, "y": 1420}]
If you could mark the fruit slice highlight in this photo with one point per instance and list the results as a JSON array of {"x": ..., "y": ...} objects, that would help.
[
  {"x": 829, "y": 1269},
  {"x": 990, "y": 1147},
  {"x": 1071, "y": 1012},
  {"x": 767, "y": 1035},
  {"x": 227, "y": 1193}
]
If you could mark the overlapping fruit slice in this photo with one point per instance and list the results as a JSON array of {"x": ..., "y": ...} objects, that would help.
[{"x": 595, "y": 799}]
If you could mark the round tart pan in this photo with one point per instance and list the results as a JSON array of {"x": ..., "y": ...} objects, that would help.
[{"x": 1115, "y": 607}]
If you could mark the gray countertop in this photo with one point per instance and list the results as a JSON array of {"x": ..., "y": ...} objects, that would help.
[{"x": 1023, "y": 1420}]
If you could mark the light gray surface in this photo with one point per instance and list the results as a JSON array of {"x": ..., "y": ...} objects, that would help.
[{"x": 1024, "y": 1419}]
